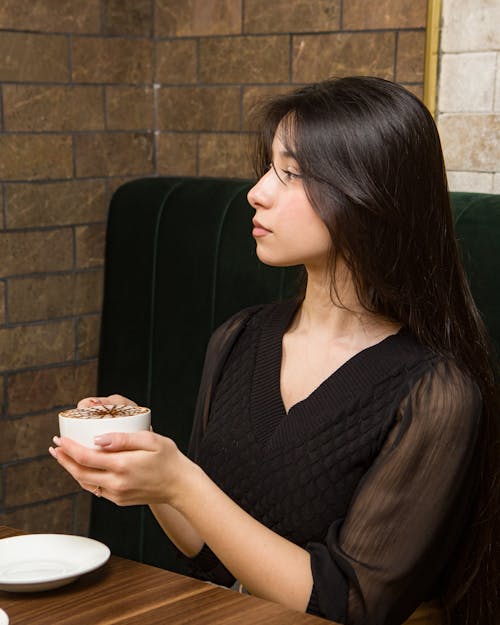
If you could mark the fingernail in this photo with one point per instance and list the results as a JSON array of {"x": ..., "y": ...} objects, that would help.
[
  {"x": 53, "y": 452},
  {"x": 56, "y": 440},
  {"x": 102, "y": 440}
]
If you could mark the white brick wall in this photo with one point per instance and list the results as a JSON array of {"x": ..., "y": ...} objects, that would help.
[
  {"x": 470, "y": 25},
  {"x": 468, "y": 103}
]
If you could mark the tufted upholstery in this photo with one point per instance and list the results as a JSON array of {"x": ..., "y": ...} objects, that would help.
[{"x": 179, "y": 260}]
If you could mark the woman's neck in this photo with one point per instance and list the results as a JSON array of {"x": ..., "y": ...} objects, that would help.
[{"x": 337, "y": 313}]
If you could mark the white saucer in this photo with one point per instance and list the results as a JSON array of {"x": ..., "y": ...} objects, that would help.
[
  {"x": 4, "y": 619},
  {"x": 35, "y": 562}
]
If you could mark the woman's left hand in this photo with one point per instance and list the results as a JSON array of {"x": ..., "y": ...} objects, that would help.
[{"x": 127, "y": 469}]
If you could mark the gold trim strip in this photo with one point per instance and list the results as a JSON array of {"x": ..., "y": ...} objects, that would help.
[{"x": 432, "y": 54}]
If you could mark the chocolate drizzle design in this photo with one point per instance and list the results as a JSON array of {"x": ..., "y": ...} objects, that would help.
[{"x": 104, "y": 412}]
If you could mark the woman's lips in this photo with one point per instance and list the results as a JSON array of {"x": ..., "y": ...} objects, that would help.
[{"x": 259, "y": 230}]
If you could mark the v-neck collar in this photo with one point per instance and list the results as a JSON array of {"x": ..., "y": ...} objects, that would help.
[
  {"x": 266, "y": 405},
  {"x": 269, "y": 418}
]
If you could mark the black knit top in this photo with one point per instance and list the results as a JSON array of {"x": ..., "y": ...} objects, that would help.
[{"x": 373, "y": 473}]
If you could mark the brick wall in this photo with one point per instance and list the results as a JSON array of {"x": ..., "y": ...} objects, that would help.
[
  {"x": 94, "y": 93},
  {"x": 468, "y": 110}
]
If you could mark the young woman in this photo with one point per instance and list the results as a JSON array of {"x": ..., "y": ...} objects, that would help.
[{"x": 344, "y": 453}]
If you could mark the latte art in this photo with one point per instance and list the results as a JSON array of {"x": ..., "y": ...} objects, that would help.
[{"x": 104, "y": 412}]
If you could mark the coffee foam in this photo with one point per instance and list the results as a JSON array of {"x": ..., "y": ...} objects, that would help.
[{"x": 104, "y": 412}]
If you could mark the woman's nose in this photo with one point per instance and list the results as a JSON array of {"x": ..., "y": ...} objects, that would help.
[{"x": 259, "y": 195}]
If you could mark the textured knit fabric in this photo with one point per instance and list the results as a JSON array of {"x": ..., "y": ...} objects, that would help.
[{"x": 373, "y": 473}]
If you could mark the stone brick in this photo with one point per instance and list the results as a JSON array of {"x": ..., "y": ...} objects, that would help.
[
  {"x": 317, "y": 57},
  {"x": 50, "y": 517},
  {"x": 254, "y": 96},
  {"x": 225, "y": 155},
  {"x": 466, "y": 82},
  {"x": 33, "y": 58},
  {"x": 356, "y": 15},
  {"x": 470, "y": 142},
  {"x": 29, "y": 157},
  {"x": 177, "y": 154},
  {"x": 496, "y": 106},
  {"x": 90, "y": 243},
  {"x": 2, "y": 302},
  {"x": 128, "y": 17},
  {"x": 46, "y": 389},
  {"x": 112, "y": 60},
  {"x": 37, "y": 108},
  {"x": 27, "y": 437},
  {"x": 51, "y": 296},
  {"x": 245, "y": 59},
  {"x": 51, "y": 15},
  {"x": 470, "y": 26},
  {"x": 176, "y": 61},
  {"x": 476, "y": 182},
  {"x": 130, "y": 108},
  {"x": 114, "y": 154},
  {"x": 41, "y": 251},
  {"x": 197, "y": 18},
  {"x": 411, "y": 56},
  {"x": 55, "y": 203},
  {"x": 199, "y": 108},
  {"x": 87, "y": 336},
  {"x": 36, "y": 480},
  {"x": 3, "y": 395},
  {"x": 262, "y": 16},
  {"x": 36, "y": 345}
]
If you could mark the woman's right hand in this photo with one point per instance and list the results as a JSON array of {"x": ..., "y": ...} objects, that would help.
[{"x": 92, "y": 402}]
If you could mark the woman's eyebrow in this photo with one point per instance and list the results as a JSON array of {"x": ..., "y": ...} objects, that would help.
[{"x": 287, "y": 154}]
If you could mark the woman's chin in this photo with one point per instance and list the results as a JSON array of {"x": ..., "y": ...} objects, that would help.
[{"x": 274, "y": 261}]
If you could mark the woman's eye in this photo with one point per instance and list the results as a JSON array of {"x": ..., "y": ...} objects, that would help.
[
  {"x": 285, "y": 175},
  {"x": 290, "y": 176}
]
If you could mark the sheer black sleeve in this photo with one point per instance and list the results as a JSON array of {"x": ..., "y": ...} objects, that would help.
[{"x": 409, "y": 511}]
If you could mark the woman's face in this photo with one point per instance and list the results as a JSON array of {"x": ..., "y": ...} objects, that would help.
[{"x": 287, "y": 230}]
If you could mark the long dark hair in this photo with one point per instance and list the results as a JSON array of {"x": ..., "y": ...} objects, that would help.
[{"x": 373, "y": 169}]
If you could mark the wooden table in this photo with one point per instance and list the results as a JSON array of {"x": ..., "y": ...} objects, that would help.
[{"x": 125, "y": 592}]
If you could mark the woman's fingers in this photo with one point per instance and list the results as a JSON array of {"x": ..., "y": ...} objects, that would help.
[
  {"x": 122, "y": 441},
  {"x": 84, "y": 475},
  {"x": 86, "y": 464},
  {"x": 91, "y": 402},
  {"x": 130, "y": 468},
  {"x": 86, "y": 467},
  {"x": 82, "y": 455}
]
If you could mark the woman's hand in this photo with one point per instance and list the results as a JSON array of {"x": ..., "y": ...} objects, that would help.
[
  {"x": 129, "y": 469},
  {"x": 91, "y": 402}
]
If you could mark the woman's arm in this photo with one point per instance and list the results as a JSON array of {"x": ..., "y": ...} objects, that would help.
[
  {"x": 145, "y": 468},
  {"x": 178, "y": 529},
  {"x": 411, "y": 510}
]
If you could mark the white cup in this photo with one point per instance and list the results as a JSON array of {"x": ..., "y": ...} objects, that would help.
[{"x": 84, "y": 424}]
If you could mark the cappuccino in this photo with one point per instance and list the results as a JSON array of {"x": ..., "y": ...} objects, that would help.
[
  {"x": 104, "y": 412},
  {"x": 84, "y": 424}
]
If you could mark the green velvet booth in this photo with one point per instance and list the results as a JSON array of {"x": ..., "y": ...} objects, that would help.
[{"x": 180, "y": 259}]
